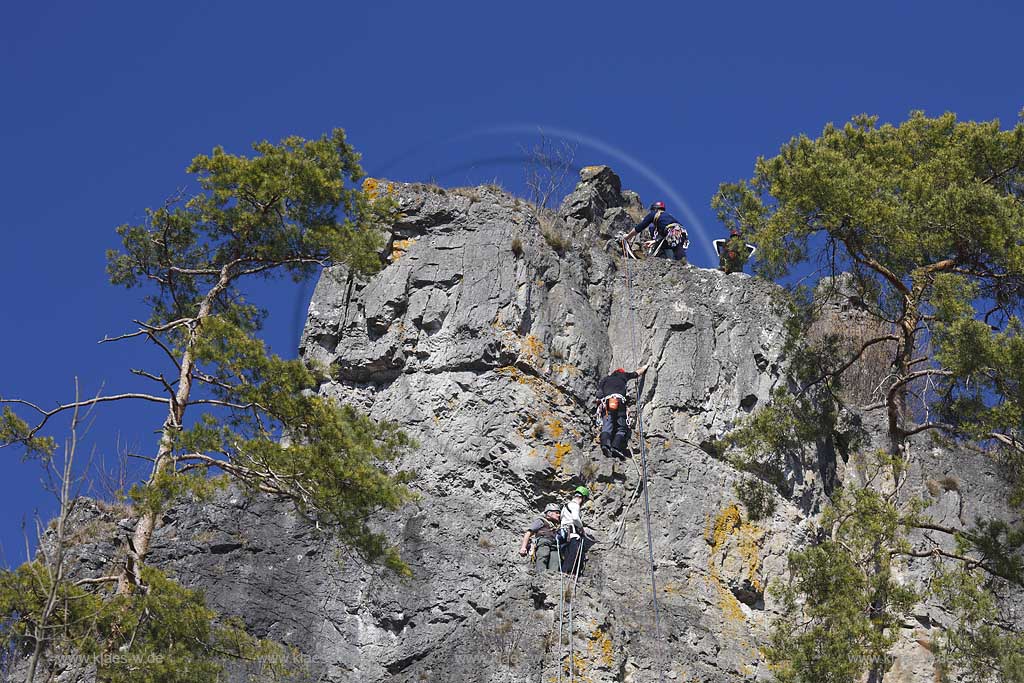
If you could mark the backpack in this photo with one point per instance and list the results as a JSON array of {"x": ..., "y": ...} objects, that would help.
[{"x": 675, "y": 235}]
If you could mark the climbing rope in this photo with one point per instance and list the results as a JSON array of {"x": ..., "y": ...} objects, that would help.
[
  {"x": 620, "y": 529},
  {"x": 577, "y": 563},
  {"x": 561, "y": 606},
  {"x": 568, "y": 622},
  {"x": 643, "y": 464}
]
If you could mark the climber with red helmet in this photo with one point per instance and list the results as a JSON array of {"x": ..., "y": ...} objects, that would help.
[
  {"x": 611, "y": 393},
  {"x": 668, "y": 235}
]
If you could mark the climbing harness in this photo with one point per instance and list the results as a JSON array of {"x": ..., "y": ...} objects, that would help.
[
  {"x": 643, "y": 468},
  {"x": 607, "y": 404}
]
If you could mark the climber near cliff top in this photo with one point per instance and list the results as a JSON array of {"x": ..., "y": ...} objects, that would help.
[
  {"x": 575, "y": 544},
  {"x": 668, "y": 236},
  {"x": 733, "y": 253},
  {"x": 611, "y": 396},
  {"x": 543, "y": 532}
]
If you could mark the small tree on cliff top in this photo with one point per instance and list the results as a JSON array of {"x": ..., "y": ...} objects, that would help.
[
  {"x": 928, "y": 216},
  {"x": 254, "y": 416}
]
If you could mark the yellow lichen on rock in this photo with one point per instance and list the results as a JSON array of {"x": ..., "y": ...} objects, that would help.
[
  {"x": 599, "y": 653},
  {"x": 532, "y": 350},
  {"x": 601, "y": 647},
  {"x": 735, "y": 547},
  {"x": 399, "y": 247},
  {"x": 370, "y": 187},
  {"x": 558, "y": 453},
  {"x": 727, "y": 521}
]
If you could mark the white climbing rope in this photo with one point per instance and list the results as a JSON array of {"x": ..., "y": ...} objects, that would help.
[
  {"x": 561, "y": 605},
  {"x": 577, "y": 563},
  {"x": 620, "y": 529}
]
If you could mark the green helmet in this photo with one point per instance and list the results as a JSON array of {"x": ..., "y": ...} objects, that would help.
[{"x": 583, "y": 491}]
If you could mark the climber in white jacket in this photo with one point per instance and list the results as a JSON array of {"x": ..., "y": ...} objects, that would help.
[{"x": 572, "y": 530}]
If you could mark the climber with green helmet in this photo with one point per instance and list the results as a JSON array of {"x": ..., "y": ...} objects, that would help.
[
  {"x": 573, "y": 532},
  {"x": 543, "y": 532}
]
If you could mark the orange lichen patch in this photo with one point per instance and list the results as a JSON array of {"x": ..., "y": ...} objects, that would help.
[
  {"x": 370, "y": 187},
  {"x": 727, "y": 602},
  {"x": 727, "y": 521},
  {"x": 750, "y": 550},
  {"x": 732, "y": 540},
  {"x": 600, "y": 653},
  {"x": 601, "y": 647},
  {"x": 555, "y": 428},
  {"x": 558, "y": 453},
  {"x": 399, "y": 247},
  {"x": 532, "y": 350},
  {"x": 544, "y": 389},
  {"x": 520, "y": 377}
]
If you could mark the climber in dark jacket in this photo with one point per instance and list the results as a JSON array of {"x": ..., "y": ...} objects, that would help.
[
  {"x": 611, "y": 394},
  {"x": 668, "y": 234}
]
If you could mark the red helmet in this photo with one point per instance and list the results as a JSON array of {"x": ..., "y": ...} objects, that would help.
[
  {"x": 658, "y": 206},
  {"x": 618, "y": 370}
]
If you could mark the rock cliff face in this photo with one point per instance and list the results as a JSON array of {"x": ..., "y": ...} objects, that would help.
[{"x": 486, "y": 344}]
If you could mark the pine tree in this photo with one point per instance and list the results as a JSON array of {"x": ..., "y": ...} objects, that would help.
[
  {"x": 928, "y": 216},
  {"x": 233, "y": 408}
]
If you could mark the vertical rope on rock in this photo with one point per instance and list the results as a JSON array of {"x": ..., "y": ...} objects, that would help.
[
  {"x": 643, "y": 464},
  {"x": 561, "y": 606}
]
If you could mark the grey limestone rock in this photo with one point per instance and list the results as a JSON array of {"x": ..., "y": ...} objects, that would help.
[{"x": 489, "y": 357}]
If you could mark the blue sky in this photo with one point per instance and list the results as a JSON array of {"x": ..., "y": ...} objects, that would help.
[{"x": 104, "y": 104}]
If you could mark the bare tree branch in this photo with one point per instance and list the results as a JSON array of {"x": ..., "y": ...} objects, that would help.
[{"x": 47, "y": 414}]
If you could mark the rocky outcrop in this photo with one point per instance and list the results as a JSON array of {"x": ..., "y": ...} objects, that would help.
[
  {"x": 490, "y": 358},
  {"x": 486, "y": 344}
]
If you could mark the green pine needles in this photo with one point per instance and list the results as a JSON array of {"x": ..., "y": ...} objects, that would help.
[
  {"x": 232, "y": 408},
  {"x": 927, "y": 219}
]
